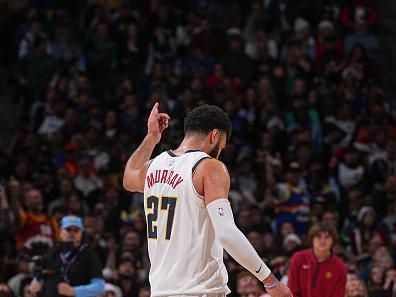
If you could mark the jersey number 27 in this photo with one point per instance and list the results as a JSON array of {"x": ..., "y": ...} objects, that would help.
[{"x": 154, "y": 205}]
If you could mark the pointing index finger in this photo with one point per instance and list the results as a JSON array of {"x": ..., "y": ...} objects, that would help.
[{"x": 155, "y": 108}]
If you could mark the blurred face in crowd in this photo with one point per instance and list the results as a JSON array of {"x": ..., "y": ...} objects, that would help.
[
  {"x": 235, "y": 45},
  {"x": 131, "y": 240},
  {"x": 377, "y": 275},
  {"x": 375, "y": 242},
  {"x": 244, "y": 219},
  {"x": 355, "y": 288},
  {"x": 266, "y": 141},
  {"x": 72, "y": 234},
  {"x": 299, "y": 87},
  {"x": 111, "y": 119},
  {"x": 34, "y": 200},
  {"x": 322, "y": 243},
  {"x": 304, "y": 153},
  {"x": 369, "y": 219},
  {"x": 293, "y": 177},
  {"x": 330, "y": 218},
  {"x": 354, "y": 196},
  {"x": 256, "y": 239},
  {"x": 85, "y": 167},
  {"x": 246, "y": 167},
  {"x": 21, "y": 169},
  {"x": 126, "y": 269},
  {"x": 66, "y": 187},
  {"x": 286, "y": 228},
  {"x": 248, "y": 286},
  {"x": 382, "y": 258},
  {"x": 74, "y": 203},
  {"x": 268, "y": 241},
  {"x": 351, "y": 158}
]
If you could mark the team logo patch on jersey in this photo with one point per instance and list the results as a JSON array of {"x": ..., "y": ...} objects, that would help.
[
  {"x": 220, "y": 211},
  {"x": 328, "y": 274}
]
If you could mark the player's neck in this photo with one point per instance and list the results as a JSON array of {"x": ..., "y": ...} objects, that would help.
[{"x": 188, "y": 144}]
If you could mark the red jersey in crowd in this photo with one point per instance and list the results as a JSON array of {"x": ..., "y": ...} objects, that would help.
[
  {"x": 35, "y": 227},
  {"x": 309, "y": 278}
]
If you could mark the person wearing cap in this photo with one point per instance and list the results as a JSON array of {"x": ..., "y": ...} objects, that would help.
[
  {"x": 317, "y": 271},
  {"x": 72, "y": 267},
  {"x": 292, "y": 202}
]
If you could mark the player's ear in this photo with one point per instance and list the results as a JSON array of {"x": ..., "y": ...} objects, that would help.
[{"x": 214, "y": 136}]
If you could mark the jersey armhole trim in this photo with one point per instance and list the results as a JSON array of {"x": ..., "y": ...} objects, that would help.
[
  {"x": 148, "y": 166},
  {"x": 194, "y": 168}
]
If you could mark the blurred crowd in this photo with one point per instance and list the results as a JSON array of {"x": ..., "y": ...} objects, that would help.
[{"x": 314, "y": 136}]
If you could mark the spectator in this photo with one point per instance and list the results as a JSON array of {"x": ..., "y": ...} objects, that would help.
[
  {"x": 316, "y": 271},
  {"x": 375, "y": 283},
  {"x": 126, "y": 277},
  {"x": 69, "y": 262},
  {"x": 5, "y": 214},
  {"x": 25, "y": 288},
  {"x": 5, "y": 290},
  {"x": 355, "y": 9},
  {"x": 34, "y": 224},
  {"x": 248, "y": 286},
  {"x": 301, "y": 80},
  {"x": 87, "y": 181},
  {"x": 356, "y": 288},
  {"x": 362, "y": 36},
  {"x": 112, "y": 291},
  {"x": 366, "y": 229},
  {"x": 23, "y": 272},
  {"x": 292, "y": 203}
]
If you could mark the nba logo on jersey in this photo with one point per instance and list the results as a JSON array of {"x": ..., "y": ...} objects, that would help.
[{"x": 220, "y": 211}]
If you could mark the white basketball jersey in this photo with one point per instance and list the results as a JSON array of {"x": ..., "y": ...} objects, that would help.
[{"x": 184, "y": 254}]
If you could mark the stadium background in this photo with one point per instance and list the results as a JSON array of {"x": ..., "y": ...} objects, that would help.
[{"x": 305, "y": 81}]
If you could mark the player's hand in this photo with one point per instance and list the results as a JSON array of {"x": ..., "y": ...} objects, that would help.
[
  {"x": 157, "y": 123},
  {"x": 279, "y": 290}
]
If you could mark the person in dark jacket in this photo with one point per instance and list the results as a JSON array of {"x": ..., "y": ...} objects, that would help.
[
  {"x": 72, "y": 268},
  {"x": 317, "y": 272}
]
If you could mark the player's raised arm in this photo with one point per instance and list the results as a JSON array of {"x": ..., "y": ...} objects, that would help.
[
  {"x": 136, "y": 167},
  {"x": 216, "y": 184}
]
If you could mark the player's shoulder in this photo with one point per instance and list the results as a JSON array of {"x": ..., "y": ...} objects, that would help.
[{"x": 212, "y": 165}]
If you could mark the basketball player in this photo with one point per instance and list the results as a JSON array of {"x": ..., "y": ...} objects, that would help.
[{"x": 189, "y": 218}]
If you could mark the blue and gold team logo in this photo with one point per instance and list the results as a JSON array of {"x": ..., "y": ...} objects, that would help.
[{"x": 328, "y": 275}]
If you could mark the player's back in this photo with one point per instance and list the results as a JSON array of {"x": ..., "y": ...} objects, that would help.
[{"x": 184, "y": 254}]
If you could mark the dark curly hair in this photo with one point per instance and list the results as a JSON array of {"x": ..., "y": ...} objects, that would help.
[{"x": 205, "y": 118}]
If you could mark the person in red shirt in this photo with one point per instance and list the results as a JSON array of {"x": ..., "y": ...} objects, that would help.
[
  {"x": 34, "y": 225},
  {"x": 317, "y": 272}
]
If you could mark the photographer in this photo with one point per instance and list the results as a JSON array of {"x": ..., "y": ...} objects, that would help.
[{"x": 71, "y": 268}]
